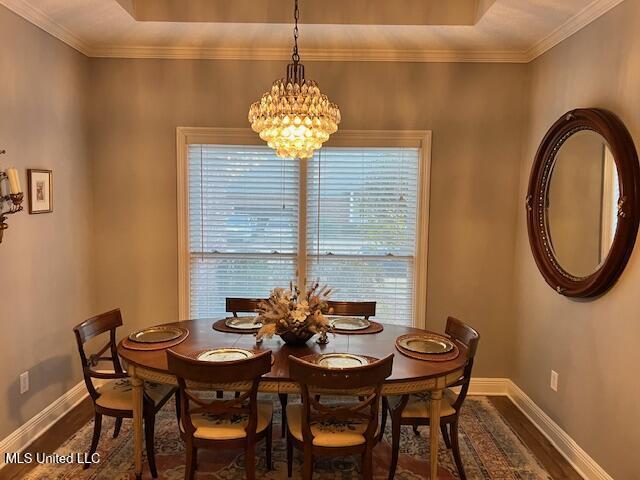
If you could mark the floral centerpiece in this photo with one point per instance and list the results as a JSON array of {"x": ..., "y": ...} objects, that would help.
[{"x": 294, "y": 315}]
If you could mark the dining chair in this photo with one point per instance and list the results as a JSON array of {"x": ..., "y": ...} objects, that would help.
[
  {"x": 352, "y": 309},
  {"x": 414, "y": 409},
  {"x": 213, "y": 423},
  {"x": 113, "y": 394},
  {"x": 337, "y": 309},
  {"x": 335, "y": 428},
  {"x": 235, "y": 305}
]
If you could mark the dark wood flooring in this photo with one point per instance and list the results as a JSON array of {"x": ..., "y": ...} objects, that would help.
[{"x": 547, "y": 455}]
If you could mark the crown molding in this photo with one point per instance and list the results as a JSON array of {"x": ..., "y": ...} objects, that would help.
[
  {"x": 576, "y": 23},
  {"x": 335, "y": 55},
  {"x": 587, "y": 15},
  {"x": 41, "y": 20}
]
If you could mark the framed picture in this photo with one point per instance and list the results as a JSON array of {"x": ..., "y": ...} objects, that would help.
[{"x": 40, "y": 190}]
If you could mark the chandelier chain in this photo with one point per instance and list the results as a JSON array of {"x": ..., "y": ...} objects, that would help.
[{"x": 296, "y": 15}]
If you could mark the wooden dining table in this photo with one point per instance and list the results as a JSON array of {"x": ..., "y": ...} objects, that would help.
[{"x": 409, "y": 375}]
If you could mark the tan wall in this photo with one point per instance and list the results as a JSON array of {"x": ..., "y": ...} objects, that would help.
[
  {"x": 45, "y": 282},
  {"x": 592, "y": 344},
  {"x": 476, "y": 113}
]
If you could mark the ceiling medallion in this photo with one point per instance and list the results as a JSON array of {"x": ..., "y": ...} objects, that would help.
[{"x": 294, "y": 117}]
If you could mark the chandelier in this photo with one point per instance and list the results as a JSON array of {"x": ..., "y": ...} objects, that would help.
[{"x": 294, "y": 117}]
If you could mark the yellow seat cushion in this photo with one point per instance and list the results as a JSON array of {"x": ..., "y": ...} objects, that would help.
[
  {"x": 118, "y": 394},
  {"x": 225, "y": 427},
  {"x": 327, "y": 434},
  {"x": 418, "y": 405}
]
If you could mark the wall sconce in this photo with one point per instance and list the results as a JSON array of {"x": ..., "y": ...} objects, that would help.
[{"x": 13, "y": 199}]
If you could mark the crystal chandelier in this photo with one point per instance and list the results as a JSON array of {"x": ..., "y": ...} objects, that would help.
[{"x": 294, "y": 117}]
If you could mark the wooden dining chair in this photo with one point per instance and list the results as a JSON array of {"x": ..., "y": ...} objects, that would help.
[
  {"x": 114, "y": 396},
  {"x": 235, "y": 305},
  {"x": 337, "y": 309},
  {"x": 414, "y": 410},
  {"x": 351, "y": 309},
  {"x": 213, "y": 423},
  {"x": 336, "y": 429}
]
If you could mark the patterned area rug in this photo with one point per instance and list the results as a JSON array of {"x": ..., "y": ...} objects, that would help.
[{"x": 489, "y": 449}]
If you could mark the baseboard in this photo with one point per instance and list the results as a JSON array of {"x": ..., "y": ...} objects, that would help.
[
  {"x": 489, "y": 386},
  {"x": 36, "y": 426},
  {"x": 586, "y": 466}
]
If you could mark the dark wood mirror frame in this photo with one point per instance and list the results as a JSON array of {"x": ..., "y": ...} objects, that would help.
[{"x": 626, "y": 159}]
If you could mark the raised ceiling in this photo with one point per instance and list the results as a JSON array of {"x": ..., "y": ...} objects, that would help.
[{"x": 356, "y": 30}]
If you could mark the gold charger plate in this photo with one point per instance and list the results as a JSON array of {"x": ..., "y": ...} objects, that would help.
[
  {"x": 341, "y": 360},
  {"x": 224, "y": 355},
  {"x": 156, "y": 334},
  {"x": 242, "y": 323},
  {"x": 349, "y": 323},
  {"x": 426, "y": 343}
]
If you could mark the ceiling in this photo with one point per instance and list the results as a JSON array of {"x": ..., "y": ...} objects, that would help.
[{"x": 354, "y": 30}]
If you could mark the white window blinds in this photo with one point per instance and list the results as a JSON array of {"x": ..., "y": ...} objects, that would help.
[
  {"x": 361, "y": 226},
  {"x": 243, "y": 224},
  {"x": 358, "y": 212}
]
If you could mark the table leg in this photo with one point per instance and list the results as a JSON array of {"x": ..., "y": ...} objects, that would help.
[
  {"x": 138, "y": 392},
  {"x": 434, "y": 430}
]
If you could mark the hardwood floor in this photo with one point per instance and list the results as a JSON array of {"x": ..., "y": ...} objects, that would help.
[
  {"x": 547, "y": 455},
  {"x": 556, "y": 465},
  {"x": 52, "y": 439}
]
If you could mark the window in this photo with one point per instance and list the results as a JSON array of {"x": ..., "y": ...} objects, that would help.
[{"x": 353, "y": 216}]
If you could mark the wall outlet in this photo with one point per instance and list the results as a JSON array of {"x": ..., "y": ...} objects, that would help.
[
  {"x": 554, "y": 381},
  {"x": 24, "y": 382}
]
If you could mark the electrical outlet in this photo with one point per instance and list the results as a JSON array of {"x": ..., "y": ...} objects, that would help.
[
  {"x": 24, "y": 382},
  {"x": 554, "y": 381}
]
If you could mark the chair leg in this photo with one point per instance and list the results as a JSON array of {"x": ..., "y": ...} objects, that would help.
[
  {"x": 269, "y": 435},
  {"x": 383, "y": 420},
  {"x": 307, "y": 467},
  {"x": 367, "y": 464},
  {"x": 177, "y": 397},
  {"x": 456, "y": 450},
  {"x": 149, "y": 433},
  {"x": 283, "y": 403},
  {"x": 97, "y": 426},
  {"x": 415, "y": 430},
  {"x": 445, "y": 435},
  {"x": 250, "y": 460},
  {"x": 289, "y": 456},
  {"x": 395, "y": 446},
  {"x": 116, "y": 429},
  {"x": 191, "y": 461}
]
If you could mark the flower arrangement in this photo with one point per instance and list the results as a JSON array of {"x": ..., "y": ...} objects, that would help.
[{"x": 293, "y": 314}]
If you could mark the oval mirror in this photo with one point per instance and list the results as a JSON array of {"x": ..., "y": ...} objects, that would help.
[{"x": 583, "y": 202}]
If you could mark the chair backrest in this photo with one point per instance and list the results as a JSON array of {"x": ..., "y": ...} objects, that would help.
[
  {"x": 91, "y": 328},
  {"x": 352, "y": 309},
  {"x": 242, "y": 305},
  {"x": 468, "y": 336},
  {"x": 195, "y": 376},
  {"x": 364, "y": 383}
]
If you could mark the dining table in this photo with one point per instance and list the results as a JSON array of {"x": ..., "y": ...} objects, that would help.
[{"x": 409, "y": 375}]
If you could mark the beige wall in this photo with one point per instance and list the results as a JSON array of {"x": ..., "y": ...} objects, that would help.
[
  {"x": 475, "y": 111},
  {"x": 45, "y": 281},
  {"x": 592, "y": 344}
]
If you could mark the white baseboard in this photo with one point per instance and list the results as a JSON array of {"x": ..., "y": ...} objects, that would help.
[
  {"x": 489, "y": 386},
  {"x": 22, "y": 437},
  {"x": 586, "y": 466}
]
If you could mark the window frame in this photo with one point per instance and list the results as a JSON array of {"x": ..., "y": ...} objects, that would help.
[{"x": 420, "y": 139}]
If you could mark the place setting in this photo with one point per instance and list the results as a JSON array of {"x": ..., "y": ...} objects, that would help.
[
  {"x": 246, "y": 324},
  {"x": 155, "y": 338},
  {"x": 427, "y": 346}
]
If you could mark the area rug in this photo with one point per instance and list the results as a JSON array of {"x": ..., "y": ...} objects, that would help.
[{"x": 489, "y": 449}]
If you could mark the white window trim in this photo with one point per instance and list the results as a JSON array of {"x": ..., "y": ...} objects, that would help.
[{"x": 343, "y": 138}]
